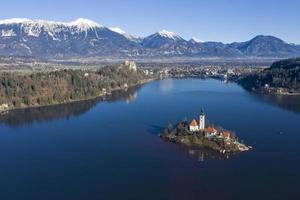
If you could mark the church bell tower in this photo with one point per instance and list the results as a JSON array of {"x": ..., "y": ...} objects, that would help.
[{"x": 202, "y": 121}]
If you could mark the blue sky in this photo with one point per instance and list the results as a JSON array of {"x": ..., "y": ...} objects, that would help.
[{"x": 217, "y": 20}]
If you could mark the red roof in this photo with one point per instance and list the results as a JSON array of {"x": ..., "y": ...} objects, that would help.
[
  {"x": 225, "y": 134},
  {"x": 194, "y": 123},
  {"x": 211, "y": 129}
]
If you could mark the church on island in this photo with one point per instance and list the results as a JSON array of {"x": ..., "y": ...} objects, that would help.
[
  {"x": 198, "y": 134},
  {"x": 194, "y": 125},
  {"x": 210, "y": 131}
]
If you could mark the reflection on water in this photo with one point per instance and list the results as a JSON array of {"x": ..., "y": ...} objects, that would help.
[
  {"x": 166, "y": 85},
  {"x": 21, "y": 117},
  {"x": 129, "y": 95},
  {"x": 202, "y": 155},
  {"x": 110, "y": 148},
  {"x": 288, "y": 102}
]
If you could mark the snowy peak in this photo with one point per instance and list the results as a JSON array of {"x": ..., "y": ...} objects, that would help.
[
  {"x": 168, "y": 34},
  {"x": 56, "y": 30},
  {"x": 84, "y": 24},
  {"x": 118, "y": 30},
  {"x": 84, "y": 37},
  {"x": 80, "y": 23},
  {"x": 122, "y": 32},
  {"x": 15, "y": 21},
  {"x": 168, "y": 43},
  {"x": 43, "y": 38},
  {"x": 196, "y": 40}
]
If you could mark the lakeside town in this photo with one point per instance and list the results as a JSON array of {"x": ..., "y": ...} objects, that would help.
[{"x": 198, "y": 135}]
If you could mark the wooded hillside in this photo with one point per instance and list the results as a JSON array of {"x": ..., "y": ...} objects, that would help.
[{"x": 45, "y": 88}]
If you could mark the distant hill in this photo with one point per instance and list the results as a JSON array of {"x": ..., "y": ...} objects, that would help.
[
  {"x": 85, "y": 38},
  {"x": 287, "y": 64},
  {"x": 218, "y": 49},
  {"x": 283, "y": 77},
  {"x": 266, "y": 46}
]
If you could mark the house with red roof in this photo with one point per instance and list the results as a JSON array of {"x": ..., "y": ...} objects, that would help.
[
  {"x": 225, "y": 134},
  {"x": 210, "y": 131},
  {"x": 194, "y": 125}
]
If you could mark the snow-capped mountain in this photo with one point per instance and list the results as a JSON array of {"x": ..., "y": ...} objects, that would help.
[
  {"x": 83, "y": 37},
  {"x": 195, "y": 40},
  {"x": 169, "y": 34},
  {"x": 35, "y": 27},
  {"x": 125, "y": 34},
  {"x": 165, "y": 43},
  {"x": 42, "y": 38}
]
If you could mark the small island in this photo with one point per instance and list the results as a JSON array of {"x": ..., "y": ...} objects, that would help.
[{"x": 196, "y": 135}]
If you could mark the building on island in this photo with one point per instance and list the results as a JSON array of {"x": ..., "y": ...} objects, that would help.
[
  {"x": 225, "y": 135},
  {"x": 210, "y": 131},
  {"x": 194, "y": 125},
  {"x": 202, "y": 121}
]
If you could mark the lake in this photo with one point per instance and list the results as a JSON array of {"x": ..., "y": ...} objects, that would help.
[{"x": 110, "y": 149}]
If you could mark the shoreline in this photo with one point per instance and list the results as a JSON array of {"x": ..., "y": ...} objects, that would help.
[
  {"x": 142, "y": 82},
  {"x": 272, "y": 91}
]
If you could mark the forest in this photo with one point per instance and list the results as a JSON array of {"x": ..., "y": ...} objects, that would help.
[
  {"x": 61, "y": 86},
  {"x": 283, "y": 75}
]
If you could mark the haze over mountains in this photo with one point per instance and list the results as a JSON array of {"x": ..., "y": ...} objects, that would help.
[{"x": 83, "y": 37}]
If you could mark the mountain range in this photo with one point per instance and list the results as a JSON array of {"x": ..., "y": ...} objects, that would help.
[{"x": 83, "y": 38}]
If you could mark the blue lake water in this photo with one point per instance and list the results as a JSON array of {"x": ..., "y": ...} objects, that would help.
[{"x": 109, "y": 149}]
